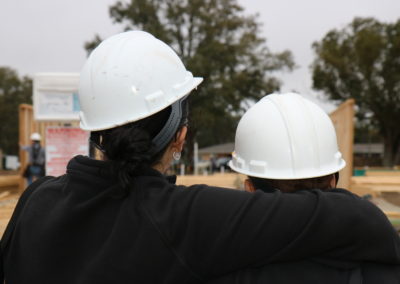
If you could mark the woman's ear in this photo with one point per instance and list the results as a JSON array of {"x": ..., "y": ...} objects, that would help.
[
  {"x": 248, "y": 186},
  {"x": 180, "y": 139},
  {"x": 333, "y": 182}
]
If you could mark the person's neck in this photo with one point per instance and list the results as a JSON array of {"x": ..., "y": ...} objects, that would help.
[
  {"x": 163, "y": 165},
  {"x": 160, "y": 167}
]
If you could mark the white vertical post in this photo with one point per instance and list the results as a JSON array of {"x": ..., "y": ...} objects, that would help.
[{"x": 182, "y": 172}]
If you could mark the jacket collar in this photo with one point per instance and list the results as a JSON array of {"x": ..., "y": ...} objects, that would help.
[{"x": 103, "y": 169}]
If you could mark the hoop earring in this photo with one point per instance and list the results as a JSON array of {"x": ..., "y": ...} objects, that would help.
[{"x": 176, "y": 156}]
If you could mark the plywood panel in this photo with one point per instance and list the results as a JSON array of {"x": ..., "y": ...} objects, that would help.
[
  {"x": 228, "y": 180},
  {"x": 343, "y": 120}
]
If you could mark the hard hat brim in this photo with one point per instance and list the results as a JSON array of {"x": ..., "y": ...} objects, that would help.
[{"x": 275, "y": 175}]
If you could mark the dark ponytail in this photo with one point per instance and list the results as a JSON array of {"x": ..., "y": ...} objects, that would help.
[{"x": 130, "y": 147}]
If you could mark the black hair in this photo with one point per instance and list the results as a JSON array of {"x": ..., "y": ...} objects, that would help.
[
  {"x": 131, "y": 147},
  {"x": 269, "y": 185}
]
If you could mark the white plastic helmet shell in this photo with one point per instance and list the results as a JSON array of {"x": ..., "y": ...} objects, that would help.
[
  {"x": 130, "y": 76},
  {"x": 36, "y": 137},
  {"x": 286, "y": 137}
]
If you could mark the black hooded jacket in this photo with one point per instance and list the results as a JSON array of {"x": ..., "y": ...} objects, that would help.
[
  {"x": 315, "y": 271},
  {"x": 81, "y": 228}
]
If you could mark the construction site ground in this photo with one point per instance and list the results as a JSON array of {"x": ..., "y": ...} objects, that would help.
[{"x": 381, "y": 189}]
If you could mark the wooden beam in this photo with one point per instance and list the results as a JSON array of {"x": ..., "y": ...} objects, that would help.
[{"x": 343, "y": 120}]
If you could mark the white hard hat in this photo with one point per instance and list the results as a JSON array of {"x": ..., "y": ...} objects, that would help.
[
  {"x": 36, "y": 137},
  {"x": 286, "y": 137},
  {"x": 128, "y": 77}
]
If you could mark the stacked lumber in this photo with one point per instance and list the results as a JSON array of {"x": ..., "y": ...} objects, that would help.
[{"x": 9, "y": 181}]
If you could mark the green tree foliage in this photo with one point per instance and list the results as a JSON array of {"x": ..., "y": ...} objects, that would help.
[
  {"x": 217, "y": 41},
  {"x": 362, "y": 61},
  {"x": 13, "y": 91}
]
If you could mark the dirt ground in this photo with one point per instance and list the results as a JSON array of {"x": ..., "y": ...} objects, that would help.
[{"x": 7, "y": 205}]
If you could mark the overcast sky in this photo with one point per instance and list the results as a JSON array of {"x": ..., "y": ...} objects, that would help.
[{"x": 48, "y": 35}]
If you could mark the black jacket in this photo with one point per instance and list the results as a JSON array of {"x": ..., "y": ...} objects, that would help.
[
  {"x": 315, "y": 272},
  {"x": 80, "y": 228}
]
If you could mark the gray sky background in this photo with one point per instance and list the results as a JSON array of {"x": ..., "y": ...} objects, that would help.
[{"x": 48, "y": 35}]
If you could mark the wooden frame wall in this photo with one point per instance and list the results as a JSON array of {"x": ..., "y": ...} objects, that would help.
[{"x": 27, "y": 126}]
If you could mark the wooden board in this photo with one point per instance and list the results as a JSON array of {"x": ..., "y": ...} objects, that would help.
[
  {"x": 228, "y": 180},
  {"x": 382, "y": 173},
  {"x": 343, "y": 120},
  {"x": 9, "y": 181},
  {"x": 375, "y": 185}
]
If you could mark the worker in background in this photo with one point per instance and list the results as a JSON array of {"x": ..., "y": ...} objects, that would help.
[
  {"x": 36, "y": 161},
  {"x": 285, "y": 143},
  {"x": 121, "y": 220}
]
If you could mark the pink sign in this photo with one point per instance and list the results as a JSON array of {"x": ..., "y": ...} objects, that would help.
[{"x": 62, "y": 144}]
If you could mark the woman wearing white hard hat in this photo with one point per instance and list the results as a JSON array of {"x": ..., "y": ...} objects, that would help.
[
  {"x": 285, "y": 142},
  {"x": 120, "y": 220}
]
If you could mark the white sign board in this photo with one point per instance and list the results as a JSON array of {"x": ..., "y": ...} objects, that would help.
[
  {"x": 55, "y": 96},
  {"x": 12, "y": 162},
  {"x": 62, "y": 144}
]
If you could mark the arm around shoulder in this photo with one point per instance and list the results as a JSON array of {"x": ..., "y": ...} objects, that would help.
[{"x": 218, "y": 231}]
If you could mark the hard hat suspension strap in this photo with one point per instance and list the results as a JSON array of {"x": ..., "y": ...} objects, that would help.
[{"x": 171, "y": 126}]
